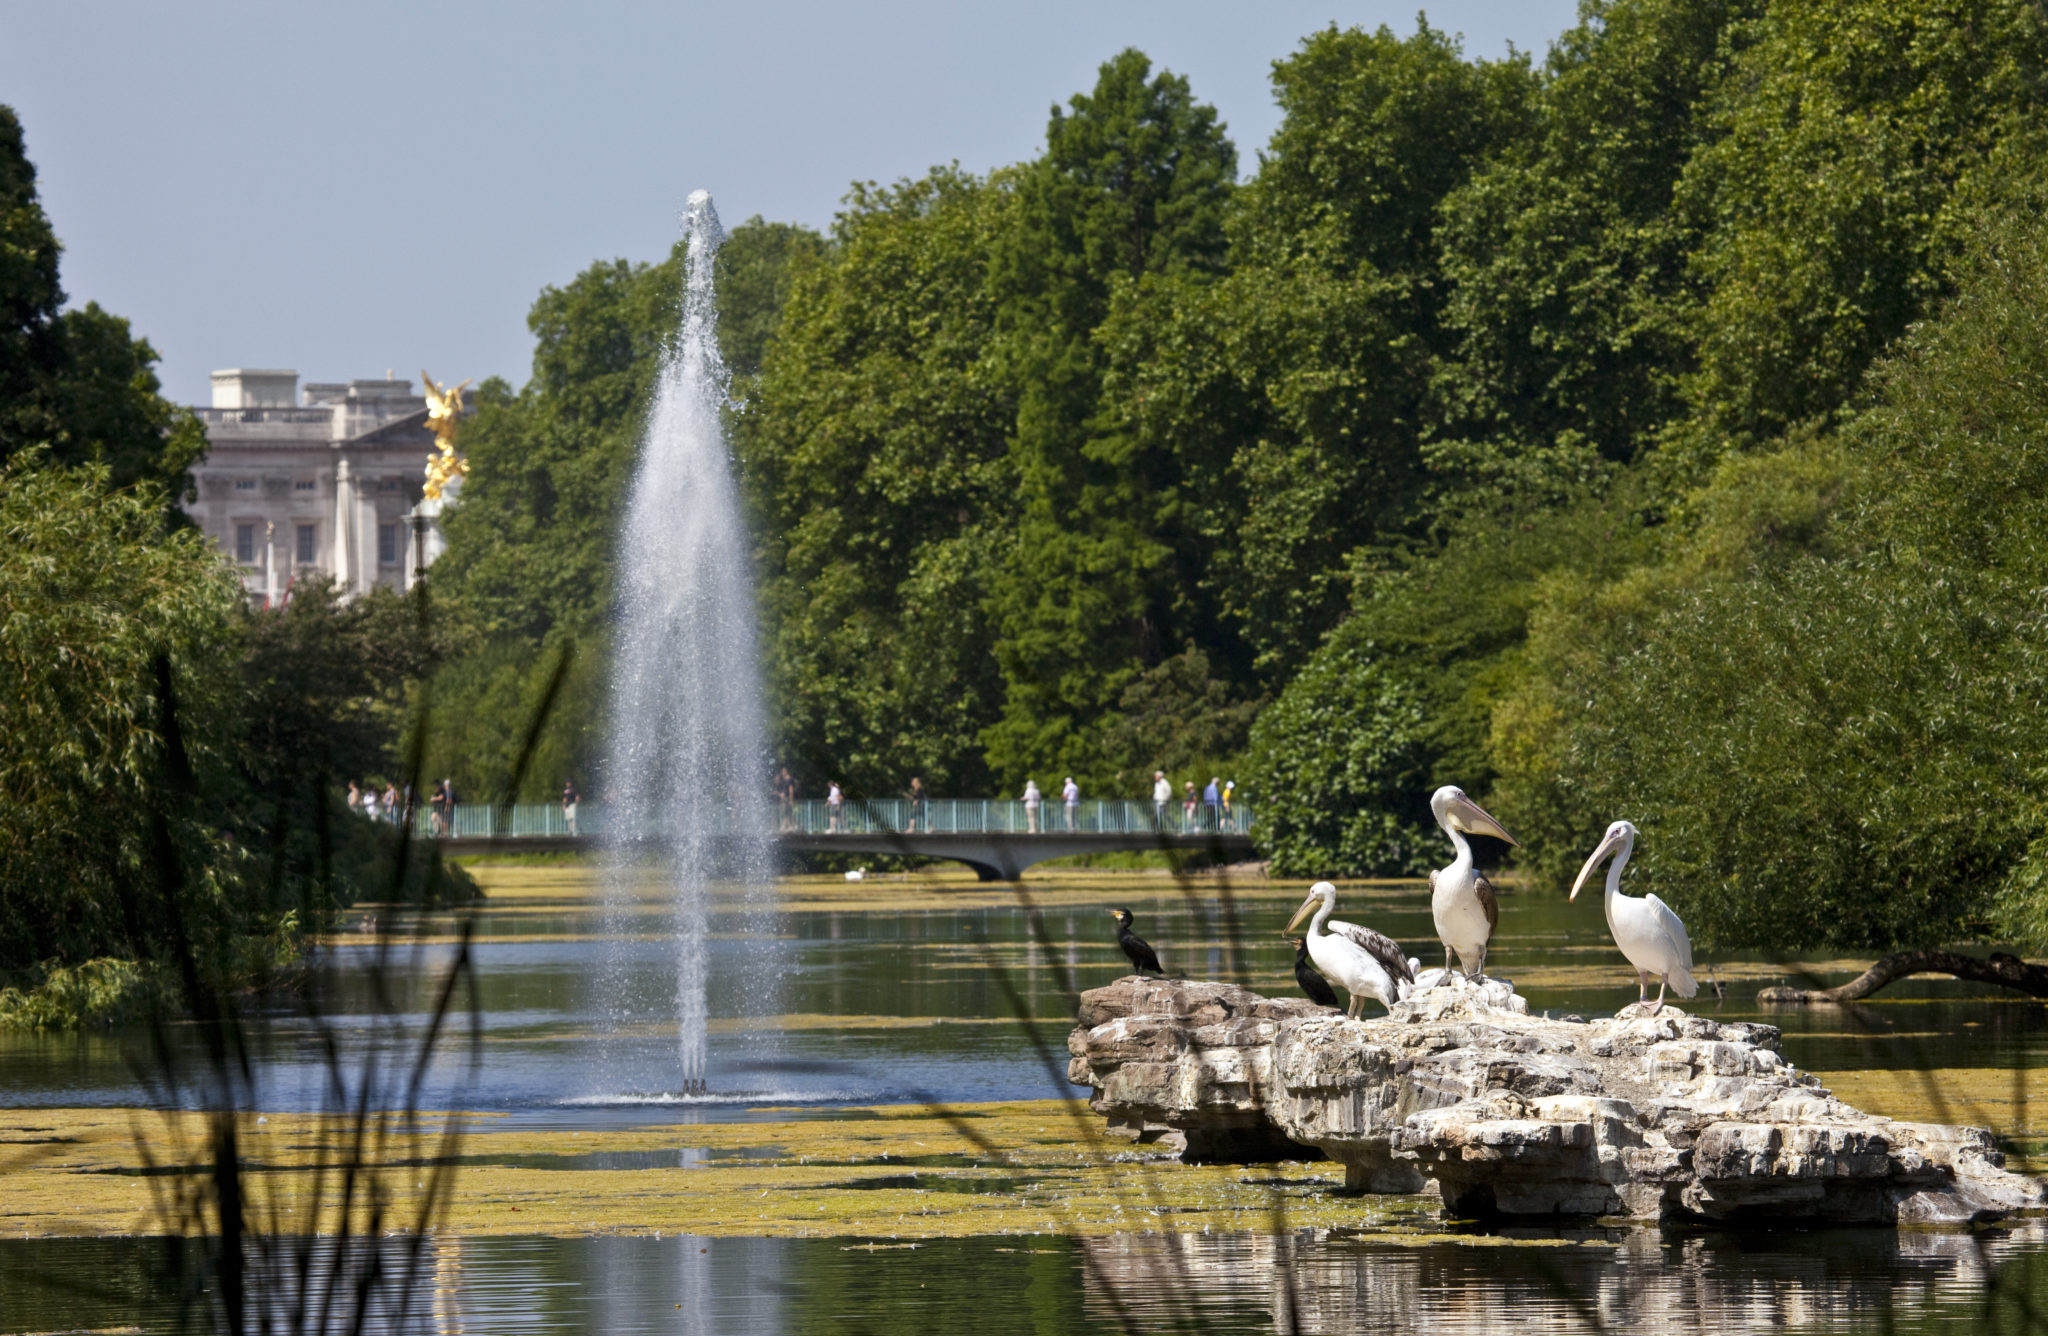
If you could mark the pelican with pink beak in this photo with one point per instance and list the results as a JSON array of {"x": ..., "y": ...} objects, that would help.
[
  {"x": 1461, "y": 899},
  {"x": 1367, "y": 963},
  {"x": 1648, "y": 933}
]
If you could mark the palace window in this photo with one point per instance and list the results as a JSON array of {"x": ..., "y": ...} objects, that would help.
[
  {"x": 245, "y": 544},
  {"x": 387, "y": 545},
  {"x": 307, "y": 532},
  {"x": 245, "y": 484},
  {"x": 304, "y": 485}
]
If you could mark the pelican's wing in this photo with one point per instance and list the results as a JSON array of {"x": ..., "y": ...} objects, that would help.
[
  {"x": 1672, "y": 925},
  {"x": 1483, "y": 888},
  {"x": 1378, "y": 945}
]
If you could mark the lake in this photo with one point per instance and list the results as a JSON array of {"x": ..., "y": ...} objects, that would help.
[{"x": 933, "y": 989}]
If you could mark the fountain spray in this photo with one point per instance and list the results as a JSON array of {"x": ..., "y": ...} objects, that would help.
[{"x": 686, "y": 778}]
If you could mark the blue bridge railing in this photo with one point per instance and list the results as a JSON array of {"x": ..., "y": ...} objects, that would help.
[{"x": 816, "y": 816}]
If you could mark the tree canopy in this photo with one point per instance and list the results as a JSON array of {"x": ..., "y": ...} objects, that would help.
[{"x": 1544, "y": 427}]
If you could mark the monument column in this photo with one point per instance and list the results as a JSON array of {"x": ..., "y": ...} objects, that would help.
[
  {"x": 269, "y": 563},
  {"x": 343, "y": 564}
]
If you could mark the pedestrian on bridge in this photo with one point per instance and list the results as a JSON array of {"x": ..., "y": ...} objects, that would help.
[
  {"x": 785, "y": 799},
  {"x": 835, "y": 807},
  {"x": 1162, "y": 794},
  {"x": 1031, "y": 801},
  {"x": 1212, "y": 799},
  {"x": 1071, "y": 792},
  {"x": 918, "y": 819},
  {"x": 1187, "y": 808},
  {"x": 569, "y": 800}
]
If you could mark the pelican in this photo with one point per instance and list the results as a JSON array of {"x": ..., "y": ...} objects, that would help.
[
  {"x": 1460, "y": 897},
  {"x": 1648, "y": 933},
  {"x": 1367, "y": 963}
]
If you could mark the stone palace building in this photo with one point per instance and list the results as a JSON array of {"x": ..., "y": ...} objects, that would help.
[{"x": 328, "y": 483}]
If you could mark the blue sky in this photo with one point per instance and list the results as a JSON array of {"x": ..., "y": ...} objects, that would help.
[{"x": 351, "y": 189}]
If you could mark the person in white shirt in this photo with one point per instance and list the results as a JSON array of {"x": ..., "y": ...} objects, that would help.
[
  {"x": 1031, "y": 798},
  {"x": 1162, "y": 794},
  {"x": 1071, "y": 793}
]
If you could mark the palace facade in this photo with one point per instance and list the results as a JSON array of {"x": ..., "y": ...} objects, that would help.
[{"x": 324, "y": 483}]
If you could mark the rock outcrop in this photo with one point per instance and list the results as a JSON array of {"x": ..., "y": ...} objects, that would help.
[{"x": 1505, "y": 1114}]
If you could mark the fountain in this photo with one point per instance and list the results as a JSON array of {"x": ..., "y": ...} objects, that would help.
[{"x": 686, "y": 776}]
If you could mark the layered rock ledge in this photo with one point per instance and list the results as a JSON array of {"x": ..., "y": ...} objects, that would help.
[{"x": 1460, "y": 1092}]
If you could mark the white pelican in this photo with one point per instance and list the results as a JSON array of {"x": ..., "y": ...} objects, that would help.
[
  {"x": 1460, "y": 897},
  {"x": 1648, "y": 933},
  {"x": 1367, "y": 963}
]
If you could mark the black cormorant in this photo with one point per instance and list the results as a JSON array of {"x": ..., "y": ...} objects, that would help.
[
  {"x": 1135, "y": 947},
  {"x": 1315, "y": 985}
]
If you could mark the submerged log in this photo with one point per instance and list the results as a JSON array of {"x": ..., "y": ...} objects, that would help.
[{"x": 2001, "y": 968}]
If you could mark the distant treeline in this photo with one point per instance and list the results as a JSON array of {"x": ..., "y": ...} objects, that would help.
[{"x": 1659, "y": 430}]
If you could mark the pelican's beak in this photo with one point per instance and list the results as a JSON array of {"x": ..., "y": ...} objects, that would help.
[
  {"x": 1476, "y": 820},
  {"x": 1607, "y": 847},
  {"x": 1308, "y": 907}
]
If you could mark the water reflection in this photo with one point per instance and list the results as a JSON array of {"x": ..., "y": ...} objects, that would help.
[{"x": 1635, "y": 1280}]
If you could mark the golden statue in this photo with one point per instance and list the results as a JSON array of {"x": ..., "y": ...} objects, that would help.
[{"x": 444, "y": 408}]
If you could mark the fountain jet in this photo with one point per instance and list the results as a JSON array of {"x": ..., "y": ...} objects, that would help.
[{"x": 687, "y": 768}]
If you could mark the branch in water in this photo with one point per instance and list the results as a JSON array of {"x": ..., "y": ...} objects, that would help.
[{"x": 2007, "y": 971}]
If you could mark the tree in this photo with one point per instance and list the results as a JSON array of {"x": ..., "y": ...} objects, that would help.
[
  {"x": 1292, "y": 394},
  {"x": 1566, "y": 264},
  {"x": 93, "y": 596},
  {"x": 527, "y": 574},
  {"x": 1813, "y": 705},
  {"x": 1132, "y": 188},
  {"x": 1827, "y": 192},
  {"x": 75, "y": 384},
  {"x": 874, "y": 458}
]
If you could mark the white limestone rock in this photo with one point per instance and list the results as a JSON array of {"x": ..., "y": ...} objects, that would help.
[{"x": 1459, "y": 1089}]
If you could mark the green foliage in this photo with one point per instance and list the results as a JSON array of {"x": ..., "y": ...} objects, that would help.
[
  {"x": 1338, "y": 769},
  {"x": 113, "y": 840},
  {"x": 1291, "y": 393},
  {"x": 1818, "y": 707},
  {"x": 1131, "y": 191},
  {"x": 757, "y": 267},
  {"x": 1827, "y": 197},
  {"x": 1514, "y": 427},
  {"x": 93, "y": 593},
  {"x": 1444, "y": 638},
  {"x": 874, "y": 449},
  {"x": 75, "y": 384},
  {"x": 1178, "y": 718},
  {"x": 1567, "y": 266},
  {"x": 527, "y": 574},
  {"x": 104, "y": 991}
]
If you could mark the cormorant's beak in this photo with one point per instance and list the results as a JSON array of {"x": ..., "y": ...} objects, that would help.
[
  {"x": 1308, "y": 907},
  {"x": 1607, "y": 846},
  {"x": 1476, "y": 820}
]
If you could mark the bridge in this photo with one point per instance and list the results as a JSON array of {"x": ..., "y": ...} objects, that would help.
[{"x": 995, "y": 837}]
